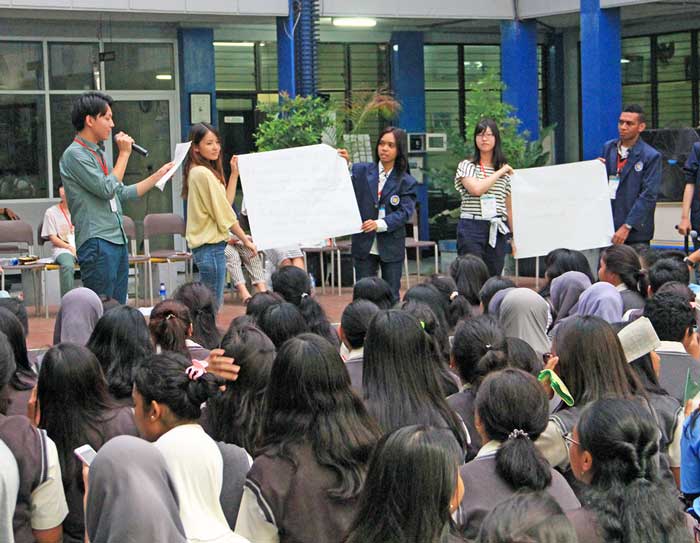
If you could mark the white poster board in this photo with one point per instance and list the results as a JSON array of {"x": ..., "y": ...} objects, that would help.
[
  {"x": 298, "y": 195},
  {"x": 567, "y": 205}
]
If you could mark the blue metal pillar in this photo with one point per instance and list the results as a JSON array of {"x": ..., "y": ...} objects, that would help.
[
  {"x": 519, "y": 72},
  {"x": 197, "y": 72},
  {"x": 408, "y": 84},
  {"x": 286, "y": 72},
  {"x": 601, "y": 78}
]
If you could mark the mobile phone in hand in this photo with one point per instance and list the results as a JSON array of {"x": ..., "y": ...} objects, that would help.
[{"x": 86, "y": 454}]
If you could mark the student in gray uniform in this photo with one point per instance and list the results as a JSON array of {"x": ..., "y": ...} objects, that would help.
[
  {"x": 413, "y": 487},
  {"x": 353, "y": 329},
  {"x": 511, "y": 413},
  {"x": 614, "y": 450}
]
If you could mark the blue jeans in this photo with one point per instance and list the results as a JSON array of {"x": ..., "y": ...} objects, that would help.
[
  {"x": 473, "y": 239},
  {"x": 211, "y": 261},
  {"x": 104, "y": 268}
]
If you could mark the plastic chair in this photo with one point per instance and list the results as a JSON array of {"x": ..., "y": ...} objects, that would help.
[
  {"x": 159, "y": 224},
  {"x": 13, "y": 235},
  {"x": 135, "y": 259},
  {"x": 417, "y": 244}
]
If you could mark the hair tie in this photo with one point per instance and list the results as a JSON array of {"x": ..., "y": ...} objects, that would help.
[
  {"x": 515, "y": 434},
  {"x": 197, "y": 369},
  {"x": 169, "y": 316},
  {"x": 422, "y": 324},
  {"x": 488, "y": 346},
  {"x": 454, "y": 295},
  {"x": 304, "y": 295}
]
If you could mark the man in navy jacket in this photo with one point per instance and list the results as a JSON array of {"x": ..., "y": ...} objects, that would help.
[
  {"x": 634, "y": 178},
  {"x": 690, "y": 216}
]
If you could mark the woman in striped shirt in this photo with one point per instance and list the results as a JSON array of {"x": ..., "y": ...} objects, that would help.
[{"x": 485, "y": 220}]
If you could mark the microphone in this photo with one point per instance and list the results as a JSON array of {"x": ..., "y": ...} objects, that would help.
[
  {"x": 140, "y": 150},
  {"x": 692, "y": 234}
]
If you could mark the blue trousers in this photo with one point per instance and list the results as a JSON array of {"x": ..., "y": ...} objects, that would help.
[
  {"x": 391, "y": 271},
  {"x": 104, "y": 268},
  {"x": 211, "y": 262},
  {"x": 473, "y": 239}
]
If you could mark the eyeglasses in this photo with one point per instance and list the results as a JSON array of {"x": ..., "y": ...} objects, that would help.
[
  {"x": 485, "y": 135},
  {"x": 571, "y": 440}
]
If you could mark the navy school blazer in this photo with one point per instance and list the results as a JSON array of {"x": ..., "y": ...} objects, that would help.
[
  {"x": 691, "y": 168},
  {"x": 399, "y": 201},
  {"x": 640, "y": 180}
]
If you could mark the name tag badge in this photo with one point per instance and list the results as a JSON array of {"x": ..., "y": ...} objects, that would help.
[
  {"x": 613, "y": 184},
  {"x": 488, "y": 206},
  {"x": 71, "y": 239},
  {"x": 113, "y": 205},
  {"x": 382, "y": 213}
]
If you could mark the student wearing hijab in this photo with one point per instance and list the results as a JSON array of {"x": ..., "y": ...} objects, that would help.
[
  {"x": 565, "y": 292},
  {"x": 525, "y": 314},
  {"x": 132, "y": 501},
  {"x": 599, "y": 300},
  {"x": 493, "y": 306},
  {"x": 23, "y": 380},
  {"x": 80, "y": 310},
  {"x": 9, "y": 488}
]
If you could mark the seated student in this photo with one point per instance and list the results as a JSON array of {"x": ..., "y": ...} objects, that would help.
[
  {"x": 614, "y": 450},
  {"x": 490, "y": 288},
  {"x": 171, "y": 330},
  {"x": 18, "y": 309},
  {"x": 413, "y": 486},
  {"x": 40, "y": 506},
  {"x": 294, "y": 286},
  {"x": 457, "y": 306},
  {"x": 353, "y": 330},
  {"x": 674, "y": 321},
  {"x": 202, "y": 306},
  {"x": 599, "y": 300},
  {"x": 560, "y": 261},
  {"x": 620, "y": 266},
  {"x": 666, "y": 270},
  {"x": 427, "y": 294},
  {"x": 511, "y": 413},
  {"x": 588, "y": 357},
  {"x": 134, "y": 500},
  {"x": 314, "y": 446},
  {"x": 169, "y": 390},
  {"x": 564, "y": 294},
  {"x": 401, "y": 382},
  {"x": 120, "y": 341},
  {"x": 23, "y": 378},
  {"x": 525, "y": 314},
  {"x": 9, "y": 489},
  {"x": 470, "y": 273},
  {"x": 6, "y": 214},
  {"x": 74, "y": 408},
  {"x": 281, "y": 322},
  {"x": 494, "y": 305},
  {"x": 478, "y": 348},
  {"x": 80, "y": 310},
  {"x": 527, "y": 516},
  {"x": 259, "y": 302},
  {"x": 376, "y": 290},
  {"x": 523, "y": 357},
  {"x": 237, "y": 256},
  {"x": 59, "y": 230}
]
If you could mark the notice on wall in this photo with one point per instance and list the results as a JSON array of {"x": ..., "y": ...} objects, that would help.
[
  {"x": 301, "y": 195},
  {"x": 567, "y": 205}
]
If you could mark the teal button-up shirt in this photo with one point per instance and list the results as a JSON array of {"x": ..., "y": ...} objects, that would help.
[{"x": 89, "y": 192}]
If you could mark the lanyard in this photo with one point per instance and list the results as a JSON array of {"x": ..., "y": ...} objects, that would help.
[
  {"x": 621, "y": 163},
  {"x": 70, "y": 224},
  {"x": 483, "y": 172},
  {"x": 100, "y": 160}
]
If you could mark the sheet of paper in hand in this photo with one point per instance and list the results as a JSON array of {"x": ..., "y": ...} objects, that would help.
[
  {"x": 181, "y": 150},
  {"x": 298, "y": 195},
  {"x": 567, "y": 205}
]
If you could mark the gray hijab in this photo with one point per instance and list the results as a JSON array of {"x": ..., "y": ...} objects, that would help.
[
  {"x": 9, "y": 487},
  {"x": 525, "y": 314},
  {"x": 132, "y": 500},
  {"x": 496, "y": 301},
  {"x": 565, "y": 291},
  {"x": 80, "y": 310}
]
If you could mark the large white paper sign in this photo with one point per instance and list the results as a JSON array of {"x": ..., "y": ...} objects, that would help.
[
  {"x": 298, "y": 195},
  {"x": 561, "y": 206}
]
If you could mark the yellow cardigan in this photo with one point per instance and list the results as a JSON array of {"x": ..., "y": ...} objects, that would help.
[{"x": 209, "y": 215}]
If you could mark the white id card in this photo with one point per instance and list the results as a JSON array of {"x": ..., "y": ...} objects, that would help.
[
  {"x": 113, "y": 205},
  {"x": 488, "y": 206},
  {"x": 613, "y": 184},
  {"x": 382, "y": 213},
  {"x": 71, "y": 239}
]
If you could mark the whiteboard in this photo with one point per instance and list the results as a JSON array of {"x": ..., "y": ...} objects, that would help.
[
  {"x": 567, "y": 205},
  {"x": 299, "y": 195}
]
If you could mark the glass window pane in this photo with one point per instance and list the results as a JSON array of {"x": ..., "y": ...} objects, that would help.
[
  {"x": 675, "y": 105},
  {"x": 440, "y": 67},
  {"x": 62, "y": 132},
  {"x": 441, "y": 111},
  {"x": 366, "y": 65},
  {"x": 331, "y": 66},
  {"x": 638, "y": 94},
  {"x": 140, "y": 66},
  {"x": 235, "y": 66},
  {"x": 673, "y": 57},
  {"x": 268, "y": 65},
  {"x": 21, "y": 66},
  {"x": 71, "y": 65},
  {"x": 23, "y": 168},
  {"x": 478, "y": 60},
  {"x": 636, "y": 60}
]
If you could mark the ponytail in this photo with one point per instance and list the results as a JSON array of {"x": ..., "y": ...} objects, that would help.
[
  {"x": 624, "y": 261},
  {"x": 315, "y": 317},
  {"x": 459, "y": 309},
  {"x": 169, "y": 325},
  {"x": 521, "y": 464}
]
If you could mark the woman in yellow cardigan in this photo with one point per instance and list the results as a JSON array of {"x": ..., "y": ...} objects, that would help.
[{"x": 210, "y": 216}]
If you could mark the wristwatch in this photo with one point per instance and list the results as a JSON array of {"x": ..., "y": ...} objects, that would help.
[{"x": 690, "y": 262}]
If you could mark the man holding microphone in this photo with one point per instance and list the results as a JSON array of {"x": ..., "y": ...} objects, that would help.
[{"x": 95, "y": 192}]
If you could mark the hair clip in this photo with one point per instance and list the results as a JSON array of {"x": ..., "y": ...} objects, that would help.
[
  {"x": 488, "y": 346},
  {"x": 422, "y": 324},
  {"x": 454, "y": 295},
  {"x": 169, "y": 316},
  {"x": 515, "y": 434},
  {"x": 304, "y": 295},
  {"x": 197, "y": 369}
]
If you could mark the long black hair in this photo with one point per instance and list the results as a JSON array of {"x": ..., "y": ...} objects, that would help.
[
  {"x": 7, "y": 370},
  {"x": 309, "y": 400},
  {"x": 355, "y": 320},
  {"x": 522, "y": 356},
  {"x": 410, "y": 484},
  {"x": 24, "y": 377},
  {"x": 400, "y": 380},
  {"x": 631, "y": 501},
  {"x": 234, "y": 414},
  {"x": 624, "y": 262},
  {"x": 281, "y": 322},
  {"x": 401, "y": 163},
  {"x": 376, "y": 290},
  {"x": 200, "y": 300},
  {"x": 514, "y": 410},
  {"x": 294, "y": 286},
  {"x": 169, "y": 325},
  {"x": 259, "y": 302},
  {"x": 470, "y": 273},
  {"x": 560, "y": 261},
  {"x": 499, "y": 158},
  {"x": 458, "y": 307},
  {"x": 120, "y": 340},
  {"x": 478, "y": 348},
  {"x": 74, "y": 403}
]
